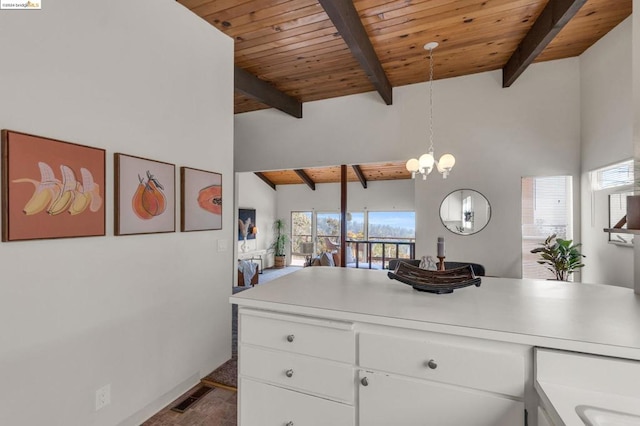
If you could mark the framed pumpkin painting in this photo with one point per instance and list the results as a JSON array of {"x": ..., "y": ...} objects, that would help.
[
  {"x": 145, "y": 196},
  {"x": 51, "y": 188},
  {"x": 201, "y": 200}
]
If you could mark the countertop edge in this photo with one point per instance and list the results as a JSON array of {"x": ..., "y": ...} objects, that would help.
[{"x": 465, "y": 331}]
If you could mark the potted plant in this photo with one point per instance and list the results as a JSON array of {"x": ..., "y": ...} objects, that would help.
[
  {"x": 279, "y": 243},
  {"x": 562, "y": 257}
]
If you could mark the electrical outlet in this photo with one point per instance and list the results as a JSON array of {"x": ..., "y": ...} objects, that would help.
[
  {"x": 222, "y": 245},
  {"x": 103, "y": 397}
]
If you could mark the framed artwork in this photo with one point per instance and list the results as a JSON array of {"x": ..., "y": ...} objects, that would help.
[
  {"x": 201, "y": 200},
  {"x": 51, "y": 188},
  {"x": 246, "y": 224},
  {"x": 145, "y": 195}
]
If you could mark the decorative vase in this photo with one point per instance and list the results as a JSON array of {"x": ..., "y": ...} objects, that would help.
[
  {"x": 633, "y": 212},
  {"x": 244, "y": 245}
]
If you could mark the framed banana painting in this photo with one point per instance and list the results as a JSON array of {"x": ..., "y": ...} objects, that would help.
[{"x": 51, "y": 188}]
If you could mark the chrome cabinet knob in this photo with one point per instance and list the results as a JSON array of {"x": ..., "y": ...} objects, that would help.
[
  {"x": 289, "y": 424},
  {"x": 289, "y": 373},
  {"x": 290, "y": 338},
  {"x": 364, "y": 381},
  {"x": 432, "y": 364}
]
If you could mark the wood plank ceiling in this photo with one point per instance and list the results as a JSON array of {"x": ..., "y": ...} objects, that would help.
[
  {"x": 370, "y": 172},
  {"x": 295, "y": 47}
]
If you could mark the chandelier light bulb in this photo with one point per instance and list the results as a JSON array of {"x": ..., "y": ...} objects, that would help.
[
  {"x": 413, "y": 165},
  {"x": 447, "y": 161},
  {"x": 426, "y": 162}
]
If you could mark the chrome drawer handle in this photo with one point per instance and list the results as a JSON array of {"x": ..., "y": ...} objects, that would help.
[
  {"x": 364, "y": 381},
  {"x": 432, "y": 364},
  {"x": 290, "y": 338},
  {"x": 289, "y": 373}
]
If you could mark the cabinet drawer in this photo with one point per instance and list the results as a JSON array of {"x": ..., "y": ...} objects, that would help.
[
  {"x": 266, "y": 405},
  {"x": 323, "y": 339},
  {"x": 392, "y": 400},
  {"x": 325, "y": 378},
  {"x": 447, "y": 359}
]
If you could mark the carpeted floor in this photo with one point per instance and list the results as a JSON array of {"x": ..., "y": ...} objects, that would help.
[{"x": 226, "y": 375}]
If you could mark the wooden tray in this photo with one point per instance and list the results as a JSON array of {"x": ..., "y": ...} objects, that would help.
[{"x": 438, "y": 282}]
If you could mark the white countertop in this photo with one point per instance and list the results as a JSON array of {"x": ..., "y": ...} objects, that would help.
[
  {"x": 590, "y": 318},
  {"x": 567, "y": 398},
  {"x": 606, "y": 386}
]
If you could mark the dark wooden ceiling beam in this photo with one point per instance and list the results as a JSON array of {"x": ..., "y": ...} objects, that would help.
[
  {"x": 305, "y": 177},
  {"x": 553, "y": 18},
  {"x": 266, "y": 180},
  {"x": 251, "y": 86},
  {"x": 345, "y": 18},
  {"x": 361, "y": 178}
]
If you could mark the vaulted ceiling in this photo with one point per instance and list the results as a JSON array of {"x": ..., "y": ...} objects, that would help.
[{"x": 288, "y": 52}]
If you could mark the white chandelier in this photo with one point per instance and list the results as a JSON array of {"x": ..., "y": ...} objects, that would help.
[{"x": 425, "y": 163}]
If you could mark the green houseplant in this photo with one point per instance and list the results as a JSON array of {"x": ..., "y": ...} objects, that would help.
[
  {"x": 279, "y": 243},
  {"x": 562, "y": 257}
]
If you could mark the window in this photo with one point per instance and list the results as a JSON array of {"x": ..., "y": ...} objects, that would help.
[
  {"x": 301, "y": 238},
  {"x": 618, "y": 210},
  {"x": 546, "y": 210},
  {"x": 355, "y": 226},
  {"x": 617, "y": 175},
  {"x": 616, "y": 179},
  {"x": 327, "y": 231},
  {"x": 314, "y": 233},
  {"x": 394, "y": 226}
]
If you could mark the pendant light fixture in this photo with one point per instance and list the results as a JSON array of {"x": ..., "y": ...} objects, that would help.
[{"x": 425, "y": 163}]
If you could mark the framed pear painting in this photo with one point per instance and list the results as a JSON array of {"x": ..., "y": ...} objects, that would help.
[
  {"x": 145, "y": 196},
  {"x": 51, "y": 188}
]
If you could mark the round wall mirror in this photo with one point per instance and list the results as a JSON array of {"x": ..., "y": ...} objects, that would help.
[{"x": 465, "y": 212}]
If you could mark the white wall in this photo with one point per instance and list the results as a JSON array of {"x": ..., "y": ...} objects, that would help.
[
  {"x": 606, "y": 133},
  {"x": 497, "y": 135},
  {"x": 147, "y": 314},
  {"x": 253, "y": 193}
]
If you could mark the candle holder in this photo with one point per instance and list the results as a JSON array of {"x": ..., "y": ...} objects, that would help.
[{"x": 440, "y": 263}]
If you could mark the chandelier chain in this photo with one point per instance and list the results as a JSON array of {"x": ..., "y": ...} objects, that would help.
[
  {"x": 427, "y": 162},
  {"x": 430, "y": 100}
]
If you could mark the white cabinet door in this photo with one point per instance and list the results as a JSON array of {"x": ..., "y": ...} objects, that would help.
[
  {"x": 267, "y": 405},
  {"x": 393, "y": 400}
]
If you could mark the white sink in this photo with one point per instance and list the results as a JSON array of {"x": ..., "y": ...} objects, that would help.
[{"x": 594, "y": 416}]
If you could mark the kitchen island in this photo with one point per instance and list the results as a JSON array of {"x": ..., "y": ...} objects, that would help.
[{"x": 353, "y": 347}]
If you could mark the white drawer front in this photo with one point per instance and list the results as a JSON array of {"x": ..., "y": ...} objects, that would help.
[
  {"x": 266, "y": 405},
  {"x": 452, "y": 361},
  {"x": 389, "y": 400},
  {"x": 313, "y": 339},
  {"x": 325, "y": 378}
]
